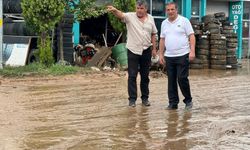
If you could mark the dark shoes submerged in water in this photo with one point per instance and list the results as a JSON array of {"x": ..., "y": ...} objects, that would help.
[
  {"x": 145, "y": 103},
  {"x": 189, "y": 106},
  {"x": 172, "y": 107},
  {"x": 131, "y": 104}
]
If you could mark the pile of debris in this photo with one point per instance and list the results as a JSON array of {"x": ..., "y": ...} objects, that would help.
[{"x": 216, "y": 43}]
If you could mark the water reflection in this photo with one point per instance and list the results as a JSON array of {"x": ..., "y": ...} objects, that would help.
[
  {"x": 136, "y": 130},
  {"x": 177, "y": 128}
]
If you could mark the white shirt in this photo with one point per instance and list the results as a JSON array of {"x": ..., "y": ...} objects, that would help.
[
  {"x": 176, "y": 36},
  {"x": 139, "y": 33}
]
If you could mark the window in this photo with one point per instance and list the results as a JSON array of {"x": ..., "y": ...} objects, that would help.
[
  {"x": 179, "y": 4},
  {"x": 195, "y": 9},
  {"x": 158, "y": 8},
  {"x": 246, "y": 30}
]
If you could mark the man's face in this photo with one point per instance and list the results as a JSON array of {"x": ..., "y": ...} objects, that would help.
[
  {"x": 141, "y": 11},
  {"x": 171, "y": 11}
]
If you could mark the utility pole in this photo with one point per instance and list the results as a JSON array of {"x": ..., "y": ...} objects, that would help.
[{"x": 1, "y": 34}]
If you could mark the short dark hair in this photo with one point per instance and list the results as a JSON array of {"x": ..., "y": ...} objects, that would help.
[
  {"x": 142, "y": 2},
  {"x": 172, "y": 3}
]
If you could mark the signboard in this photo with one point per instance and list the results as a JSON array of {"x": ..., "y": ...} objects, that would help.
[
  {"x": 15, "y": 52},
  {"x": 236, "y": 15}
]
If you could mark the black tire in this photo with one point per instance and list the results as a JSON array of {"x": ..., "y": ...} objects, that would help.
[
  {"x": 203, "y": 57},
  {"x": 32, "y": 57},
  {"x": 221, "y": 19},
  {"x": 218, "y": 42},
  {"x": 232, "y": 60},
  {"x": 214, "y": 31},
  {"x": 196, "y": 61},
  {"x": 232, "y": 40},
  {"x": 196, "y": 66},
  {"x": 220, "y": 14},
  {"x": 219, "y": 67},
  {"x": 204, "y": 46},
  {"x": 218, "y": 51},
  {"x": 202, "y": 41},
  {"x": 68, "y": 44},
  {"x": 227, "y": 31},
  {"x": 232, "y": 45},
  {"x": 207, "y": 18},
  {"x": 218, "y": 62},
  {"x": 203, "y": 52},
  {"x": 7, "y": 20},
  {"x": 211, "y": 26},
  {"x": 67, "y": 30},
  {"x": 225, "y": 27},
  {"x": 196, "y": 27},
  {"x": 217, "y": 36},
  {"x": 218, "y": 46},
  {"x": 231, "y": 50},
  {"x": 232, "y": 35},
  {"x": 218, "y": 57},
  {"x": 198, "y": 32}
]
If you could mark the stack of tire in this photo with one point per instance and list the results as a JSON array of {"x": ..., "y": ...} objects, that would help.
[
  {"x": 17, "y": 27},
  {"x": 12, "y": 6},
  {"x": 202, "y": 46},
  {"x": 67, "y": 34},
  {"x": 232, "y": 43},
  {"x": 218, "y": 51},
  {"x": 202, "y": 50},
  {"x": 213, "y": 27},
  {"x": 196, "y": 24}
]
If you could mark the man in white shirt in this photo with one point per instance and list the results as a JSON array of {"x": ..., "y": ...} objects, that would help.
[
  {"x": 177, "y": 48},
  {"x": 141, "y": 45}
]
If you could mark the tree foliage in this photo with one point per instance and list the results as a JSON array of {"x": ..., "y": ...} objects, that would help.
[
  {"x": 124, "y": 6},
  {"x": 42, "y": 16},
  {"x": 84, "y": 9}
]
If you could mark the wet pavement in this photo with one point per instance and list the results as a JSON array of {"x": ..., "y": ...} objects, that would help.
[{"x": 90, "y": 112}]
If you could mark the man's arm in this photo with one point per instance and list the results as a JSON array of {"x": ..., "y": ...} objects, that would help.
[
  {"x": 119, "y": 14},
  {"x": 162, "y": 49},
  {"x": 192, "y": 47}
]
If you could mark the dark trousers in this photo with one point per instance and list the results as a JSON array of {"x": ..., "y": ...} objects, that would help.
[
  {"x": 138, "y": 63},
  {"x": 177, "y": 72}
]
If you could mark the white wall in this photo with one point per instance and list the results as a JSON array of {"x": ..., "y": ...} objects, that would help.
[{"x": 215, "y": 7}]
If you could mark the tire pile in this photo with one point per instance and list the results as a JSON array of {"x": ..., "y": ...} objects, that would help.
[
  {"x": 14, "y": 26},
  {"x": 216, "y": 43},
  {"x": 68, "y": 49},
  {"x": 12, "y": 6}
]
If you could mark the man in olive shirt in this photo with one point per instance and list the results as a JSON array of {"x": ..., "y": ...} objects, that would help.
[{"x": 141, "y": 45}]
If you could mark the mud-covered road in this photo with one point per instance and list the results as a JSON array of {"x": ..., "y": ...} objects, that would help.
[{"x": 90, "y": 112}]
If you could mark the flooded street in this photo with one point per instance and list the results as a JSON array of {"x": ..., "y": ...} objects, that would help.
[{"x": 90, "y": 112}]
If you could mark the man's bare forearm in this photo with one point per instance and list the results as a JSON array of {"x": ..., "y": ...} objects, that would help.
[{"x": 119, "y": 14}]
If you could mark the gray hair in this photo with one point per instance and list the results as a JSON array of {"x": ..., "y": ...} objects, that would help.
[
  {"x": 172, "y": 3},
  {"x": 142, "y": 2}
]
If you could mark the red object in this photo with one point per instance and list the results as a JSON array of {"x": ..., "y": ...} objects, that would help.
[{"x": 86, "y": 56}]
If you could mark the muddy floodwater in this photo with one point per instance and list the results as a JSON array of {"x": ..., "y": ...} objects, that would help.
[{"x": 90, "y": 112}]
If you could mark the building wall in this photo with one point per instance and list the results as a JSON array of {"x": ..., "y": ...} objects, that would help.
[{"x": 215, "y": 6}]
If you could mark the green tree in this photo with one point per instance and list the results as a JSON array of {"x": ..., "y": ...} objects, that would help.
[
  {"x": 84, "y": 9},
  {"x": 125, "y": 6},
  {"x": 42, "y": 15}
]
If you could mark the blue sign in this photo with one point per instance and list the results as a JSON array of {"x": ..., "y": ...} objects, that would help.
[{"x": 236, "y": 15}]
